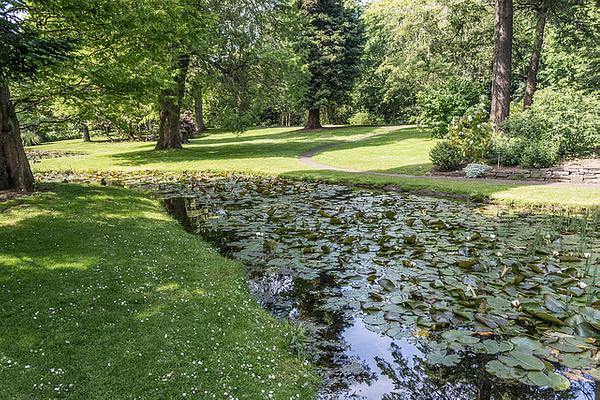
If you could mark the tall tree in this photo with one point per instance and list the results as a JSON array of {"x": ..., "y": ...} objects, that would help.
[
  {"x": 534, "y": 64},
  {"x": 332, "y": 43},
  {"x": 24, "y": 49},
  {"x": 569, "y": 16},
  {"x": 502, "y": 61}
]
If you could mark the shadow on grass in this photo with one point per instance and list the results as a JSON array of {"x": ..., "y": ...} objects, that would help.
[
  {"x": 101, "y": 294},
  {"x": 288, "y": 144}
]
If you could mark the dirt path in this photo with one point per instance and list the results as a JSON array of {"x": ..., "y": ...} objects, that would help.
[{"x": 306, "y": 158}]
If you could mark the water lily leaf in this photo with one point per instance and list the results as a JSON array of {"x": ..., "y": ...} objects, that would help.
[
  {"x": 523, "y": 360},
  {"x": 592, "y": 316},
  {"x": 500, "y": 370},
  {"x": 393, "y": 316},
  {"x": 492, "y": 321},
  {"x": 551, "y": 380},
  {"x": 577, "y": 361},
  {"x": 594, "y": 373},
  {"x": 443, "y": 358},
  {"x": 554, "y": 305},
  {"x": 525, "y": 343},
  {"x": 387, "y": 284}
]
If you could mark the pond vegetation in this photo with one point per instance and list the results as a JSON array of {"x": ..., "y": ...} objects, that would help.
[{"x": 478, "y": 300}]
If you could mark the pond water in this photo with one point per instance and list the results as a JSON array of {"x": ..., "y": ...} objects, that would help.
[{"x": 404, "y": 297}]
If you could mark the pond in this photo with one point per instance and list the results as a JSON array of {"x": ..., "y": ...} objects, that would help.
[{"x": 399, "y": 296}]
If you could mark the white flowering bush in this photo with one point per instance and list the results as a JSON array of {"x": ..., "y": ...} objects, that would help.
[
  {"x": 476, "y": 170},
  {"x": 473, "y": 133}
]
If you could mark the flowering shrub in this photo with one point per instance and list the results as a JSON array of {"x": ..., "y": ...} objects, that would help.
[{"x": 473, "y": 134}]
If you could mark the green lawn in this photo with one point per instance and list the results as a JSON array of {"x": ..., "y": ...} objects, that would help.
[
  {"x": 275, "y": 151},
  {"x": 104, "y": 296},
  {"x": 404, "y": 151}
]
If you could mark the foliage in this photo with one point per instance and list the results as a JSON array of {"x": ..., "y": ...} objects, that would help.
[
  {"x": 332, "y": 44},
  {"x": 538, "y": 154},
  {"x": 30, "y": 138},
  {"x": 473, "y": 134},
  {"x": 364, "y": 118},
  {"x": 572, "y": 45},
  {"x": 507, "y": 150},
  {"x": 26, "y": 47},
  {"x": 566, "y": 118},
  {"x": 447, "y": 156},
  {"x": 475, "y": 170},
  {"x": 439, "y": 105},
  {"x": 412, "y": 46}
]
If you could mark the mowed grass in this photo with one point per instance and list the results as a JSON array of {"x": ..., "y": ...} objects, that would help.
[
  {"x": 404, "y": 151},
  {"x": 275, "y": 151},
  {"x": 266, "y": 151},
  {"x": 104, "y": 296}
]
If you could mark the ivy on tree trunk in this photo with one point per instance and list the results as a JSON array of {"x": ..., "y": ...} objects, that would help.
[{"x": 15, "y": 172}]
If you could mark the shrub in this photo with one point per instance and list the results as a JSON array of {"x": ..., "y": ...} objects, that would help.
[
  {"x": 539, "y": 154},
  {"x": 364, "y": 118},
  {"x": 439, "y": 105},
  {"x": 507, "y": 150},
  {"x": 476, "y": 170},
  {"x": 567, "y": 118},
  {"x": 446, "y": 156},
  {"x": 473, "y": 134}
]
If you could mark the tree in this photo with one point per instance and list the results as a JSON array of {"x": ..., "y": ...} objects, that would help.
[
  {"x": 421, "y": 45},
  {"x": 502, "y": 62},
  {"x": 169, "y": 136},
  {"x": 24, "y": 49},
  {"x": 570, "y": 17},
  {"x": 333, "y": 45}
]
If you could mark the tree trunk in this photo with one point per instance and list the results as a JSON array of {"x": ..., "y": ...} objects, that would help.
[
  {"x": 502, "y": 63},
  {"x": 534, "y": 63},
  {"x": 86, "y": 133},
  {"x": 15, "y": 172},
  {"x": 199, "y": 111},
  {"x": 314, "y": 119},
  {"x": 169, "y": 136}
]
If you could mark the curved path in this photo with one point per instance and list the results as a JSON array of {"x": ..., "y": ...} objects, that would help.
[{"x": 306, "y": 158}]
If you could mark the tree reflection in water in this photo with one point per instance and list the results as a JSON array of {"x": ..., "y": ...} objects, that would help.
[{"x": 416, "y": 379}]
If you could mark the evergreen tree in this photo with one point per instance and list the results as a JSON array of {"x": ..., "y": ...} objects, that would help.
[{"x": 332, "y": 44}]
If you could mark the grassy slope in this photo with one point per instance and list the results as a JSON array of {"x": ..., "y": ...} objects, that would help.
[
  {"x": 101, "y": 290},
  {"x": 275, "y": 151}
]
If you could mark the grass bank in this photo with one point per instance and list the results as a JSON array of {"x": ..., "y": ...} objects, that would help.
[
  {"x": 275, "y": 151},
  {"x": 104, "y": 296}
]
